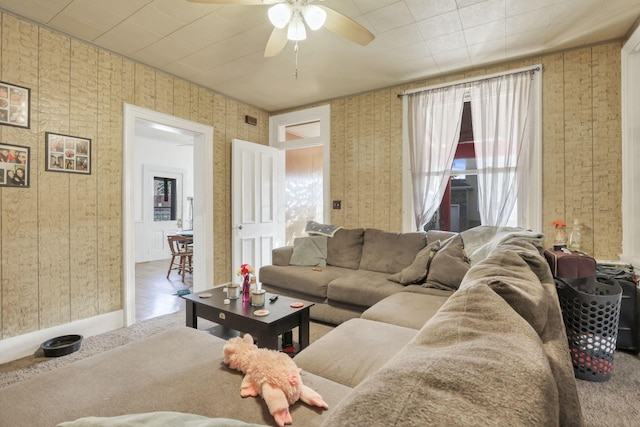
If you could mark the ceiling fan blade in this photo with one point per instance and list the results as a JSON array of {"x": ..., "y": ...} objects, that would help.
[
  {"x": 347, "y": 27},
  {"x": 277, "y": 42},
  {"x": 242, "y": 2}
]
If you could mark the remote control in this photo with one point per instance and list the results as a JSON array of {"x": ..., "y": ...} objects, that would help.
[{"x": 273, "y": 298}]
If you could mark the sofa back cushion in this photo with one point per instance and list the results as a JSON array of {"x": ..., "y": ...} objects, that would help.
[
  {"x": 390, "y": 252},
  {"x": 508, "y": 272},
  {"x": 344, "y": 249}
]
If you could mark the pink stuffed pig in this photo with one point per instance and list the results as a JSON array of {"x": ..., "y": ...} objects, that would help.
[{"x": 271, "y": 374}]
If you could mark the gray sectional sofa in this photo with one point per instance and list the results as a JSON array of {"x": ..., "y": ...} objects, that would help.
[
  {"x": 356, "y": 268},
  {"x": 492, "y": 353}
]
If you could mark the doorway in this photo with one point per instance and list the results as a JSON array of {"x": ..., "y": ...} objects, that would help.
[
  {"x": 202, "y": 210},
  {"x": 305, "y": 135}
]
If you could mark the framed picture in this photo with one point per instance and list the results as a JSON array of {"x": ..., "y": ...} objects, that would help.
[
  {"x": 15, "y": 102},
  {"x": 14, "y": 165},
  {"x": 67, "y": 153}
]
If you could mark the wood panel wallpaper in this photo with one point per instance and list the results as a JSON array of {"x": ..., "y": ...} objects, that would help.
[
  {"x": 61, "y": 239},
  {"x": 581, "y": 148}
]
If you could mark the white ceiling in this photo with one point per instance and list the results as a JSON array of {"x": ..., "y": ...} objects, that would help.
[{"x": 221, "y": 47}]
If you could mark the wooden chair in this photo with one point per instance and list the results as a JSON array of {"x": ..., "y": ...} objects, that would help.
[{"x": 180, "y": 248}]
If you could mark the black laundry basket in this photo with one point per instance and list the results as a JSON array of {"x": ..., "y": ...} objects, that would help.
[{"x": 591, "y": 312}]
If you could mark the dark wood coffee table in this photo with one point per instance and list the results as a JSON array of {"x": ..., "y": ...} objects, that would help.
[{"x": 240, "y": 316}]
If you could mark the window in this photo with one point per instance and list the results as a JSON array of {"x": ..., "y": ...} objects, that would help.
[
  {"x": 301, "y": 131},
  {"x": 459, "y": 209},
  {"x": 164, "y": 199},
  {"x": 472, "y": 174}
]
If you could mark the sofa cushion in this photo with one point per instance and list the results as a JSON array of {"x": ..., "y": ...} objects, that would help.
[
  {"x": 179, "y": 369},
  {"x": 532, "y": 253},
  {"x": 417, "y": 271},
  {"x": 510, "y": 276},
  {"x": 353, "y": 350},
  {"x": 344, "y": 249},
  {"x": 475, "y": 363},
  {"x": 407, "y": 309},
  {"x": 390, "y": 252},
  {"x": 309, "y": 251},
  {"x": 361, "y": 288},
  {"x": 448, "y": 266},
  {"x": 302, "y": 280}
]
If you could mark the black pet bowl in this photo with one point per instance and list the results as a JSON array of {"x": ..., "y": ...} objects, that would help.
[{"x": 61, "y": 346}]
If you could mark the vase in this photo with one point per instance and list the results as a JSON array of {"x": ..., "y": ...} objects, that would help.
[
  {"x": 561, "y": 236},
  {"x": 246, "y": 289}
]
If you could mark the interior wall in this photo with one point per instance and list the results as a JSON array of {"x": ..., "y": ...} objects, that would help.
[
  {"x": 581, "y": 147},
  {"x": 61, "y": 239}
]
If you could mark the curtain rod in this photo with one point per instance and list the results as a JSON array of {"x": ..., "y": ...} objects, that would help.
[{"x": 533, "y": 69}]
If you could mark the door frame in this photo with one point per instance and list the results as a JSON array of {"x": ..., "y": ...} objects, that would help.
[
  {"x": 630, "y": 64},
  {"x": 203, "y": 167}
]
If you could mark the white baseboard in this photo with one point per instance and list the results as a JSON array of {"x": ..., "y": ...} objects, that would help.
[
  {"x": 632, "y": 260},
  {"x": 27, "y": 344}
]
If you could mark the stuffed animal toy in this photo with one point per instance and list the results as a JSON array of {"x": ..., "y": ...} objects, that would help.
[{"x": 271, "y": 374}]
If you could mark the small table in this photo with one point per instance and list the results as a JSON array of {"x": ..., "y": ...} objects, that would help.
[{"x": 240, "y": 316}]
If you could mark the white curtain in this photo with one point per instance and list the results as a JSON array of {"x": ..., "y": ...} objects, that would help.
[
  {"x": 434, "y": 118},
  {"x": 500, "y": 110}
]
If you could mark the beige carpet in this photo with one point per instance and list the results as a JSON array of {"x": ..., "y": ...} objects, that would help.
[{"x": 613, "y": 403}]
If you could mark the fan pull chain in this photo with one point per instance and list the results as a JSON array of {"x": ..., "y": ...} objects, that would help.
[{"x": 295, "y": 49}]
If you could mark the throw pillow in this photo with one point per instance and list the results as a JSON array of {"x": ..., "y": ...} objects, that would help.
[
  {"x": 309, "y": 251},
  {"x": 344, "y": 249},
  {"x": 448, "y": 266},
  {"x": 417, "y": 271},
  {"x": 316, "y": 229}
]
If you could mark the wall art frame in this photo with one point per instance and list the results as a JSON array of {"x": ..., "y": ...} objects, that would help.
[
  {"x": 15, "y": 105},
  {"x": 67, "y": 153},
  {"x": 15, "y": 166}
]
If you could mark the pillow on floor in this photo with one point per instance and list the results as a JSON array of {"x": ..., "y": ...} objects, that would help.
[
  {"x": 309, "y": 251},
  {"x": 418, "y": 270},
  {"x": 448, "y": 266}
]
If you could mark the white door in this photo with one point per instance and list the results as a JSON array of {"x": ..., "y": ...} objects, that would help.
[
  {"x": 159, "y": 221},
  {"x": 258, "y": 203}
]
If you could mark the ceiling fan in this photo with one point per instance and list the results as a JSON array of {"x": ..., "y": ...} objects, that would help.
[{"x": 290, "y": 16}]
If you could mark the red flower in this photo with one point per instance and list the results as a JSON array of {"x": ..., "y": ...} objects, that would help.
[{"x": 245, "y": 269}]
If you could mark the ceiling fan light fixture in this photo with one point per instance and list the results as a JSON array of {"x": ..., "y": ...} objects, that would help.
[
  {"x": 314, "y": 16},
  {"x": 296, "y": 30},
  {"x": 279, "y": 15}
]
